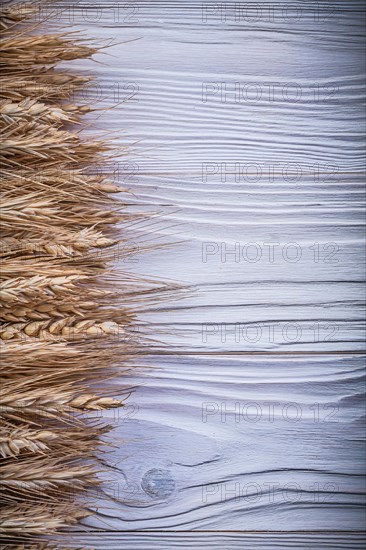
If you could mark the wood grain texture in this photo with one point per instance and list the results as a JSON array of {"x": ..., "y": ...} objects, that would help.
[
  {"x": 238, "y": 443},
  {"x": 232, "y": 541},
  {"x": 246, "y": 138}
]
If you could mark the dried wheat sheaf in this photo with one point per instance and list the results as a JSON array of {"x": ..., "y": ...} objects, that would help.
[{"x": 63, "y": 329}]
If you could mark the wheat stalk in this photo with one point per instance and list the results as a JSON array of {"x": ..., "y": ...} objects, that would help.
[
  {"x": 23, "y": 439},
  {"x": 38, "y": 519},
  {"x": 42, "y": 85},
  {"x": 49, "y": 49},
  {"x": 46, "y": 310},
  {"x": 66, "y": 328},
  {"x": 18, "y": 289},
  {"x": 31, "y": 109},
  {"x": 72, "y": 185},
  {"x": 15, "y": 14},
  {"x": 19, "y": 440},
  {"x": 65, "y": 316}
]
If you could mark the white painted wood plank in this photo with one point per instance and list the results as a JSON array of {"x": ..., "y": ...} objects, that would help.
[
  {"x": 220, "y": 541},
  {"x": 182, "y": 459},
  {"x": 232, "y": 443}
]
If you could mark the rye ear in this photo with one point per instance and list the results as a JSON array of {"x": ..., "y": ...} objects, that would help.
[{"x": 66, "y": 316}]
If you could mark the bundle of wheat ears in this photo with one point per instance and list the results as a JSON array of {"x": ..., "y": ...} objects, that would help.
[{"x": 63, "y": 328}]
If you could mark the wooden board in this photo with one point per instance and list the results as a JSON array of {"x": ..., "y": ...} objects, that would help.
[
  {"x": 246, "y": 141},
  {"x": 231, "y": 541}
]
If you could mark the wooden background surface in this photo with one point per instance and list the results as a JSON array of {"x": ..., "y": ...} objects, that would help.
[{"x": 251, "y": 417}]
